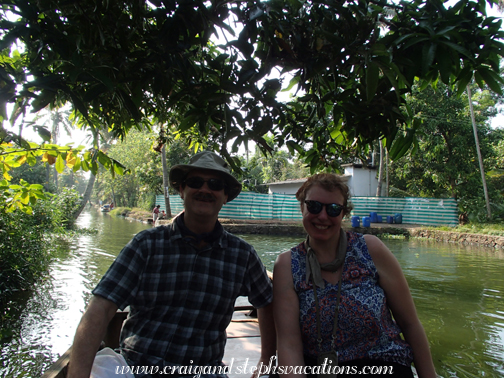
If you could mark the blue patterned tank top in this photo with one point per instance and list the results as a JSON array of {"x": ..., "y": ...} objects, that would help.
[{"x": 365, "y": 325}]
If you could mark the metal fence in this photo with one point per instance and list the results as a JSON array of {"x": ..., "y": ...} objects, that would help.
[{"x": 249, "y": 205}]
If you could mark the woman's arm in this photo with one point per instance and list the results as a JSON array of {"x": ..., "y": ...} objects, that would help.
[
  {"x": 286, "y": 314},
  {"x": 400, "y": 301}
]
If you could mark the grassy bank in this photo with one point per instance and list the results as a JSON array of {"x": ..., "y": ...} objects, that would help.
[
  {"x": 494, "y": 229},
  {"x": 135, "y": 213}
]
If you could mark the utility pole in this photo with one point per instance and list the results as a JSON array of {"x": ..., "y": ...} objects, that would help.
[
  {"x": 165, "y": 182},
  {"x": 485, "y": 190},
  {"x": 380, "y": 172}
]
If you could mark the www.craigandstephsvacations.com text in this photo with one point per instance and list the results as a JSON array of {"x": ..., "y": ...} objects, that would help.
[{"x": 196, "y": 371}]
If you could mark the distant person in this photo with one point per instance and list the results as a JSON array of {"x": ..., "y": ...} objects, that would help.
[
  {"x": 181, "y": 282},
  {"x": 335, "y": 295},
  {"x": 155, "y": 214},
  {"x": 163, "y": 215}
]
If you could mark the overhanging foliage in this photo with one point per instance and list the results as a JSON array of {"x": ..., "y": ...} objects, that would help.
[{"x": 125, "y": 64}]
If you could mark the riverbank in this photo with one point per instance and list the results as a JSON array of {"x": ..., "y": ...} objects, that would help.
[
  {"x": 278, "y": 227},
  {"x": 378, "y": 229}
]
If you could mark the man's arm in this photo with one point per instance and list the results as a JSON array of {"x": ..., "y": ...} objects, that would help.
[{"x": 89, "y": 335}]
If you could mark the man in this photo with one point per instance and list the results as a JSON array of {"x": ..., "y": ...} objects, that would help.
[{"x": 180, "y": 281}]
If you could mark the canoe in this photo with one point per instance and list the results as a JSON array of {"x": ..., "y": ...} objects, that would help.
[{"x": 243, "y": 344}]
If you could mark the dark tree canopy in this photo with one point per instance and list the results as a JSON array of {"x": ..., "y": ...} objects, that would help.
[{"x": 133, "y": 63}]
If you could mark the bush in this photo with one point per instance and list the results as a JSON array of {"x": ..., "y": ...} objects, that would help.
[
  {"x": 147, "y": 201},
  {"x": 64, "y": 204},
  {"x": 25, "y": 241},
  {"x": 22, "y": 251},
  {"x": 123, "y": 211}
]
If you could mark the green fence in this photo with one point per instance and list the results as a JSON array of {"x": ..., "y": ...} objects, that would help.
[
  {"x": 424, "y": 211},
  {"x": 249, "y": 205}
]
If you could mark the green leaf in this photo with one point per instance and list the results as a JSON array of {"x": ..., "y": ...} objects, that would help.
[
  {"x": 118, "y": 168},
  {"x": 295, "y": 146},
  {"x": 60, "y": 164},
  {"x": 463, "y": 80},
  {"x": 187, "y": 123},
  {"x": 457, "y": 48},
  {"x": 104, "y": 160},
  {"x": 85, "y": 166},
  {"x": 292, "y": 82},
  {"x": 372, "y": 77},
  {"x": 490, "y": 80},
  {"x": 43, "y": 133},
  {"x": 25, "y": 198},
  {"x": 77, "y": 164},
  {"x": 401, "y": 145},
  {"x": 42, "y": 100},
  {"x": 428, "y": 54}
]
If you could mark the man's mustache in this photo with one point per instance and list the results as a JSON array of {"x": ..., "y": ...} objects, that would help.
[{"x": 204, "y": 197}]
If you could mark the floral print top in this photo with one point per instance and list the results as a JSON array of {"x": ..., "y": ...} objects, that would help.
[{"x": 365, "y": 325}]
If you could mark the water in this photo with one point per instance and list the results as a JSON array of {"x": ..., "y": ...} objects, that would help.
[
  {"x": 48, "y": 316},
  {"x": 458, "y": 292}
]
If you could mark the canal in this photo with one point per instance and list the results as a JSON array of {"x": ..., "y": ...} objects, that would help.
[{"x": 458, "y": 291}]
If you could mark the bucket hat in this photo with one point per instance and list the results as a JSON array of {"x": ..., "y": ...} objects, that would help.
[{"x": 209, "y": 161}]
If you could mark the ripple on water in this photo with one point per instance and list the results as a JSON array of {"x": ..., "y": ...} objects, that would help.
[{"x": 457, "y": 291}]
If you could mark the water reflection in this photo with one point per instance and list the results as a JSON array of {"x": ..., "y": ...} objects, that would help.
[
  {"x": 457, "y": 289},
  {"x": 458, "y": 293},
  {"x": 47, "y": 318}
]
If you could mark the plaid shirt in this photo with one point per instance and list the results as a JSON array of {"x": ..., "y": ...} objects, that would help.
[{"x": 181, "y": 299}]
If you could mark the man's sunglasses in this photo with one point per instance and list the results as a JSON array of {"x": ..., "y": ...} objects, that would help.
[
  {"x": 332, "y": 209},
  {"x": 196, "y": 182}
]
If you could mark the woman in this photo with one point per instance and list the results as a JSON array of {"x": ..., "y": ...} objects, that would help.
[
  {"x": 155, "y": 214},
  {"x": 356, "y": 277}
]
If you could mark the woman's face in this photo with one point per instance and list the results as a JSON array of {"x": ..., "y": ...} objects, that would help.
[{"x": 321, "y": 226}]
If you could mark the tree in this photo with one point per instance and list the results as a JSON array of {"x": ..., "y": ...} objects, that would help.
[
  {"x": 444, "y": 162},
  {"x": 56, "y": 119},
  {"x": 127, "y": 64},
  {"x": 262, "y": 168},
  {"x": 133, "y": 152}
]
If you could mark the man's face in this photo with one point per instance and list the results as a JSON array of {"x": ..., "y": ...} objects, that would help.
[{"x": 202, "y": 201}]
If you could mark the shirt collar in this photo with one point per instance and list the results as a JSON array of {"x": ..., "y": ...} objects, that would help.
[{"x": 192, "y": 237}]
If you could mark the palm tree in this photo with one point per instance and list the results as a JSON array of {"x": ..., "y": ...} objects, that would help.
[
  {"x": 105, "y": 138},
  {"x": 55, "y": 119}
]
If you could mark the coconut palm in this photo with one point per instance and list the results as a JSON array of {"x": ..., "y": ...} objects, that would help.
[{"x": 57, "y": 120}]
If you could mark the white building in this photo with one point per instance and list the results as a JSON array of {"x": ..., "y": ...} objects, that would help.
[
  {"x": 361, "y": 180},
  {"x": 285, "y": 187}
]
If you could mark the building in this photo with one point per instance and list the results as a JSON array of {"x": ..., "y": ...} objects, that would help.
[
  {"x": 361, "y": 180},
  {"x": 285, "y": 187}
]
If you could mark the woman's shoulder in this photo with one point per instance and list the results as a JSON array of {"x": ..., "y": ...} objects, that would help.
[
  {"x": 286, "y": 256},
  {"x": 376, "y": 248}
]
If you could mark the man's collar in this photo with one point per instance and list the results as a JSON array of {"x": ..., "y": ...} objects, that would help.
[{"x": 195, "y": 238}]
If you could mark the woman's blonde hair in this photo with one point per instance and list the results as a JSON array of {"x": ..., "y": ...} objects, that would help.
[{"x": 329, "y": 182}]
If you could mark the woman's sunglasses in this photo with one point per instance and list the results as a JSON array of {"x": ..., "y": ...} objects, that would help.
[
  {"x": 196, "y": 182},
  {"x": 315, "y": 207}
]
